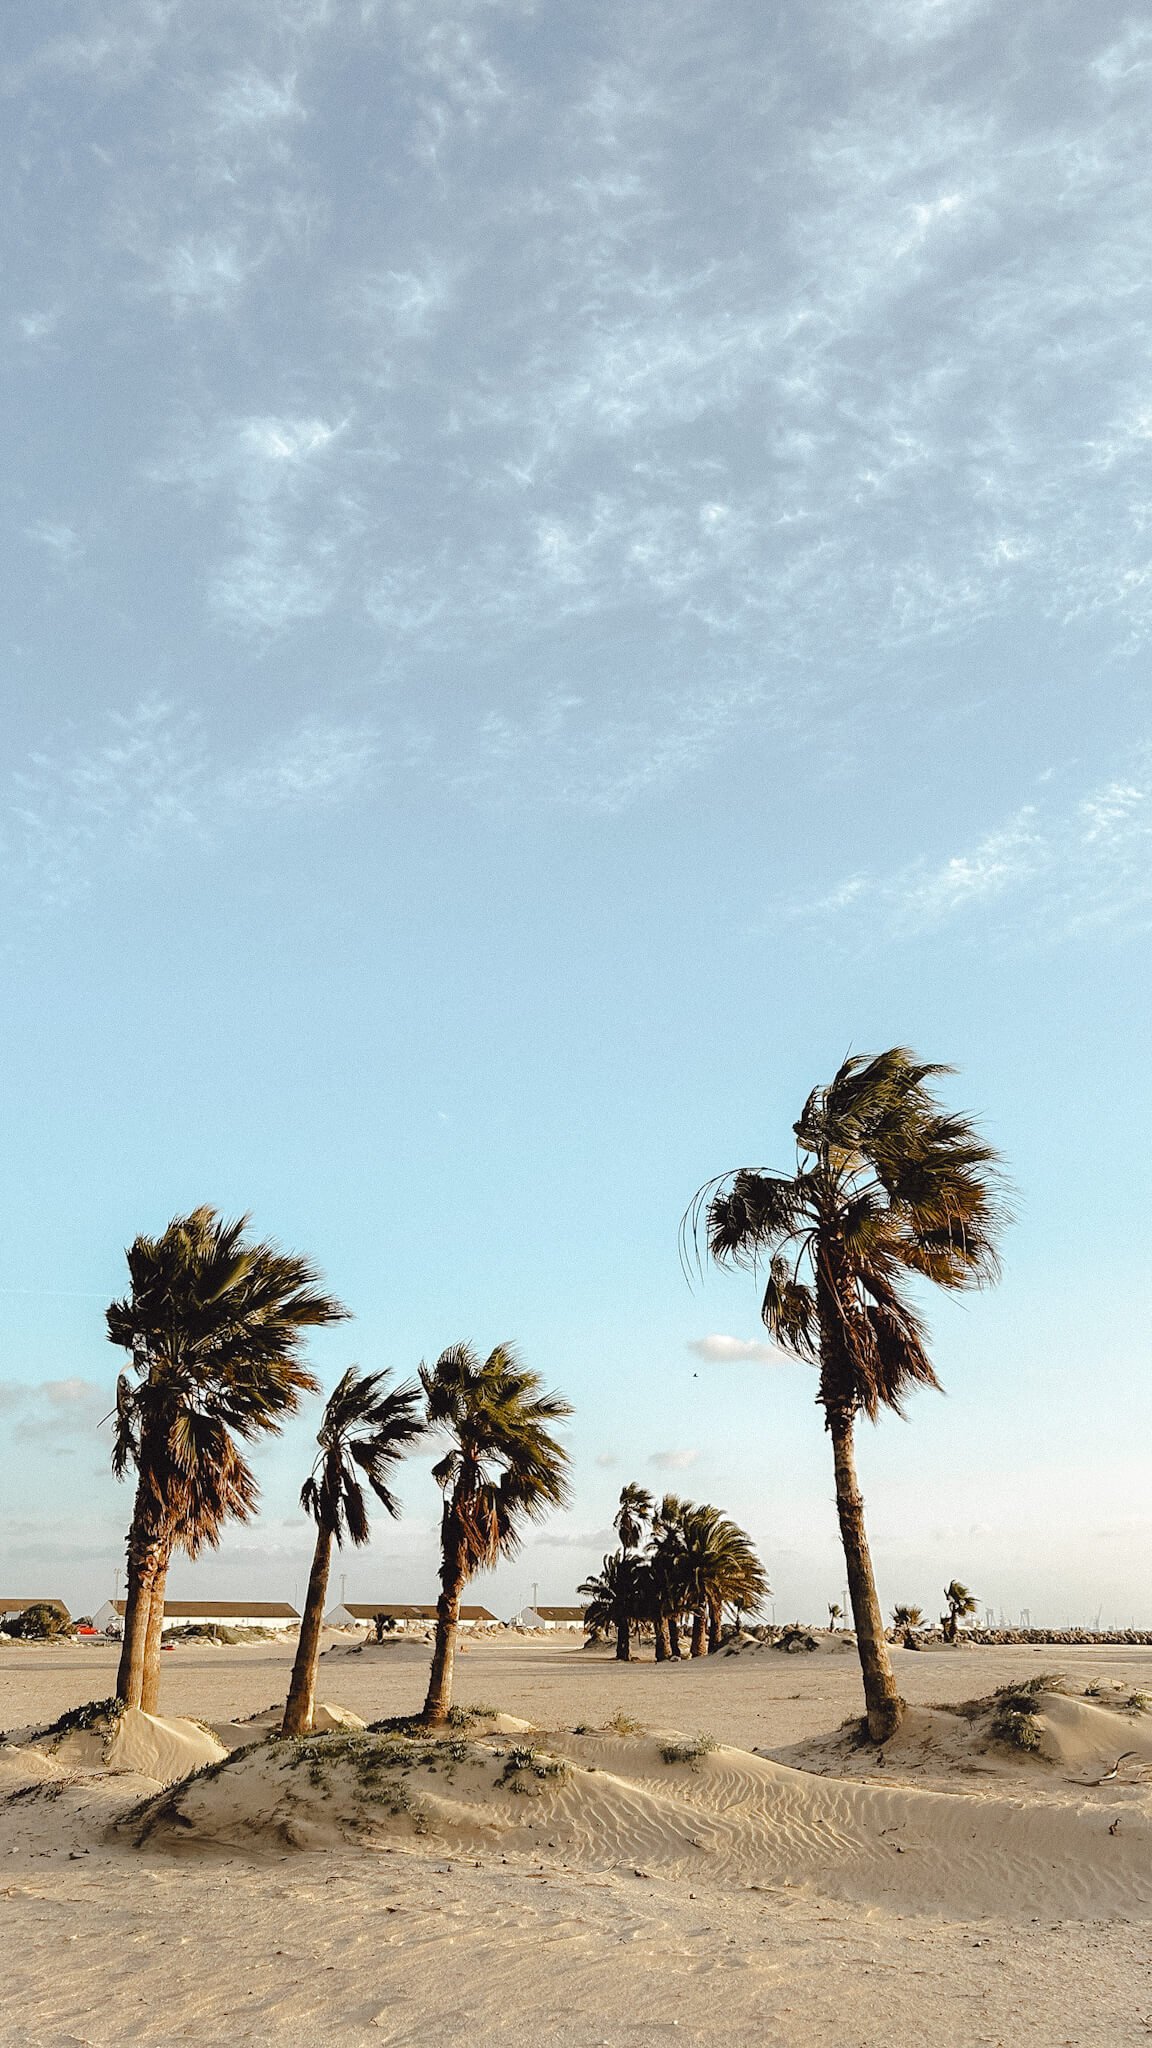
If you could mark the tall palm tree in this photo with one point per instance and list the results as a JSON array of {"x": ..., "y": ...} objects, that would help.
[
  {"x": 888, "y": 1187},
  {"x": 961, "y": 1605},
  {"x": 365, "y": 1431},
  {"x": 633, "y": 1512},
  {"x": 666, "y": 1567},
  {"x": 835, "y": 1614},
  {"x": 215, "y": 1326},
  {"x": 717, "y": 1567},
  {"x": 502, "y": 1467}
]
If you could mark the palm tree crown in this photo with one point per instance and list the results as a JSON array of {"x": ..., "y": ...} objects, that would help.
[
  {"x": 502, "y": 1465},
  {"x": 887, "y": 1185},
  {"x": 634, "y": 1510},
  {"x": 365, "y": 1431}
]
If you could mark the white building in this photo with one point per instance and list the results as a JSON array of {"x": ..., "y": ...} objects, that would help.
[
  {"x": 355, "y": 1613},
  {"x": 551, "y": 1617},
  {"x": 274, "y": 1614}
]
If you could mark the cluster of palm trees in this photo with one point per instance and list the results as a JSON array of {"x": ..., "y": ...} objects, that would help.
[
  {"x": 887, "y": 1188},
  {"x": 679, "y": 1565},
  {"x": 215, "y": 1325},
  {"x": 907, "y": 1621}
]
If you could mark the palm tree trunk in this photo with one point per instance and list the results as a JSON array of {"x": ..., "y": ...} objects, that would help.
[
  {"x": 883, "y": 1702},
  {"x": 150, "y": 1677},
  {"x": 145, "y": 1561},
  {"x": 439, "y": 1695},
  {"x": 715, "y": 1619},
  {"x": 699, "y": 1635},
  {"x": 301, "y": 1701},
  {"x": 663, "y": 1644},
  {"x": 674, "y": 1635},
  {"x": 623, "y": 1639}
]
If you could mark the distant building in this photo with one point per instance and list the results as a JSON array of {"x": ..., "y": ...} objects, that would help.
[
  {"x": 351, "y": 1613},
  {"x": 9, "y": 1609},
  {"x": 193, "y": 1613},
  {"x": 551, "y": 1617}
]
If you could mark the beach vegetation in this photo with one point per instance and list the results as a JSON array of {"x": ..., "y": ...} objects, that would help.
[
  {"x": 962, "y": 1605},
  {"x": 888, "y": 1189}
]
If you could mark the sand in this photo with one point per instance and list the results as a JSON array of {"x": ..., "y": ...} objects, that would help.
[{"x": 948, "y": 1892}]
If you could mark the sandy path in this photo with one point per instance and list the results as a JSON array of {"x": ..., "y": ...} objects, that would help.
[{"x": 107, "y": 1945}]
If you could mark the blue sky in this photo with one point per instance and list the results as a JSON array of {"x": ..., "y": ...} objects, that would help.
[{"x": 564, "y": 566}]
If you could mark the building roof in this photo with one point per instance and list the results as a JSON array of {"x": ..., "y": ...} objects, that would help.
[
  {"x": 222, "y": 1610},
  {"x": 367, "y": 1610},
  {"x": 37, "y": 1600},
  {"x": 559, "y": 1613}
]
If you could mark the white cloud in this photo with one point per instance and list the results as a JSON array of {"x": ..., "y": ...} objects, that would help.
[
  {"x": 721, "y": 1350},
  {"x": 673, "y": 1461}
]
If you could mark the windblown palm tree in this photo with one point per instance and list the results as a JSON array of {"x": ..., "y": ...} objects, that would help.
[
  {"x": 835, "y": 1614},
  {"x": 503, "y": 1467},
  {"x": 215, "y": 1325},
  {"x": 962, "y": 1605},
  {"x": 365, "y": 1431},
  {"x": 718, "y": 1566},
  {"x": 618, "y": 1598},
  {"x": 888, "y": 1187},
  {"x": 906, "y": 1622},
  {"x": 633, "y": 1512}
]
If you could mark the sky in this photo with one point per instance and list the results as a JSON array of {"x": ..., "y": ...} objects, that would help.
[{"x": 564, "y": 567}]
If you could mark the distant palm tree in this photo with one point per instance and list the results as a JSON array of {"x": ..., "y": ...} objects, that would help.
[
  {"x": 364, "y": 1433},
  {"x": 887, "y": 1186},
  {"x": 961, "y": 1605},
  {"x": 215, "y": 1326},
  {"x": 618, "y": 1597},
  {"x": 666, "y": 1566},
  {"x": 502, "y": 1467},
  {"x": 718, "y": 1567},
  {"x": 634, "y": 1510},
  {"x": 835, "y": 1614},
  {"x": 905, "y": 1623}
]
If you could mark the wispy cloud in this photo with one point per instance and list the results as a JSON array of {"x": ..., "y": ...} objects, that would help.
[
  {"x": 1051, "y": 870},
  {"x": 152, "y": 780},
  {"x": 54, "y": 1414}
]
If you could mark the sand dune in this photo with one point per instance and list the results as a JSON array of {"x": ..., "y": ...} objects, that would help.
[{"x": 606, "y": 1802}]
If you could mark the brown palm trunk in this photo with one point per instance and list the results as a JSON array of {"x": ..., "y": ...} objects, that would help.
[
  {"x": 153, "y": 1640},
  {"x": 715, "y": 1618},
  {"x": 883, "y": 1702},
  {"x": 699, "y": 1631},
  {"x": 145, "y": 1562},
  {"x": 439, "y": 1695},
  {"x": 301, "y": 1701},
  {"x": 674, "y": 1636},
  {"x": 623, "y": 1639},
  {"x": 663, "y": 1643}
]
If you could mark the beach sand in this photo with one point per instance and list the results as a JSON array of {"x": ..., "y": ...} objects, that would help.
[{"x": 951, "y": 1892}]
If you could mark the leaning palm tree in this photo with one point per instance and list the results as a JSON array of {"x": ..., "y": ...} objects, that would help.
[
  {"x": 502, "y": 1467},
  {"x": 835, "y": 1615},
  {"x": 215, "y": 1326},
  {"x": 365, "y": 1431},
  {"x": 962, "y": 1604},
  {"x": 888, "y": 1187}
]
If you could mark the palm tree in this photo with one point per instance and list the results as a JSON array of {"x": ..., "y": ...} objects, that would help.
[
  {"x": 365, "y": 1432},
  {"x": 618, "y": 1597},
  {"x": 961, "y": 1605},
  {"x": 905, "y": 1622},
  {"x": 215, "y": 1327},
  {"x": 717, "y": 1566},
  {"x": 666, "y": 1566},
  {"x": 502, "y": 1467},
  {"x": 835, "y": 1614},
  {"x": 887, "y": 1187},
  {"x": 634, "y": 1510}
]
